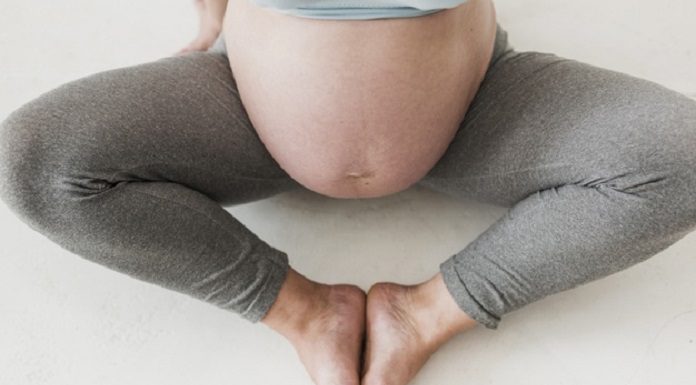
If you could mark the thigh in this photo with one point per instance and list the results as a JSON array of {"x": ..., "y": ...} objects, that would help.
[
  {"x": 178, "y": 119},
  {"x": 539, "y": 121}
]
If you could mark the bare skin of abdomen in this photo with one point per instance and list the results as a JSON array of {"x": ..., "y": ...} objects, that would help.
[{"x": 358, "y": 108}]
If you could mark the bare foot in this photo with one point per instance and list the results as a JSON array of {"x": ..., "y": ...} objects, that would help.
[
  {"x": 325, "y": 324},
  {"x": 405, "y": 326}
]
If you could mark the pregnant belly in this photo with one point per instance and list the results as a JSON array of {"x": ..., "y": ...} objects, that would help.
[{"x": 358, "y": 108}]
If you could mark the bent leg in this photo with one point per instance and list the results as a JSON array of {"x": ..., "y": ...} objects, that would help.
[
  {"x": 596, "y": 165},
  {"x": 129, "y": 168}
]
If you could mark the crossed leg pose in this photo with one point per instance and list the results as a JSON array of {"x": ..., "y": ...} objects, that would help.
[{"x": 131, "y": 168}]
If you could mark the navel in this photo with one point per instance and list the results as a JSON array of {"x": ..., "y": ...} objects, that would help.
[{"x": 361, "y": 175}]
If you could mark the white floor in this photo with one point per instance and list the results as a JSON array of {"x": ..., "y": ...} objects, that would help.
[{"x": 67, "y": 321}]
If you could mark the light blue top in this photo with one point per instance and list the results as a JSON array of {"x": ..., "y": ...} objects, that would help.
[{"x": 358, "y": 9}]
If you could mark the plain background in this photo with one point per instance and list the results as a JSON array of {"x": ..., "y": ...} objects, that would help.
[{"x": 67, "y": 321}]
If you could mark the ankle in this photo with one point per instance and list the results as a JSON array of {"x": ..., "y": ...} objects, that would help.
[
  {"x": 296, "y": 305},
  {"x": 441, "y": 316}
]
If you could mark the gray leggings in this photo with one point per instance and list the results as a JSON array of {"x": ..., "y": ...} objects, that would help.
[{"x": 130, "y": 168}]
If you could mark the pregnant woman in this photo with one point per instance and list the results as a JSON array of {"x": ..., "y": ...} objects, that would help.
[{"x": 130, "y": 168}]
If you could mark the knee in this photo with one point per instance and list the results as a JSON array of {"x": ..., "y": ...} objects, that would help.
[
  {"x": 667, "y": 171},
  {"x": 652, "y": 156},
  {"x": 660, "y": 134},
  {"x": 25, "y": 166},
  {"x": 676, "y": 141}
]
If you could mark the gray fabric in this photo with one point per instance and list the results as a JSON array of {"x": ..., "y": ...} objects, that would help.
[{"x": 131, "y": 168}]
